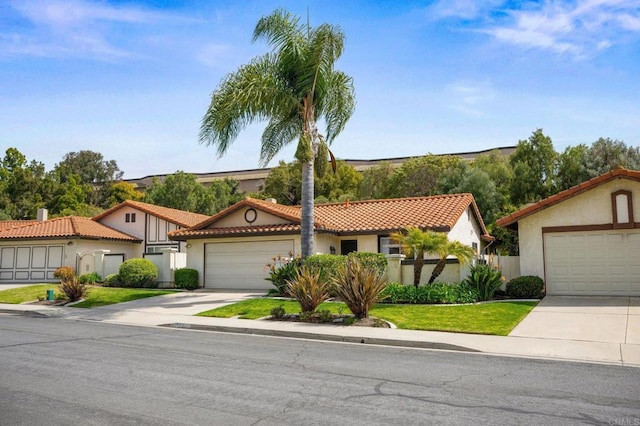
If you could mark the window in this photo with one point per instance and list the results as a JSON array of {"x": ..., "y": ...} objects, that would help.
[
  {"x": 388, "y": 246},
  {"x": 348, "y": 246},
  {"x": 130, "y": 217}
]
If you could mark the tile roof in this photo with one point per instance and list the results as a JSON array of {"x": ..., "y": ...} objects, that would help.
[
  {"x": 568, "y": 193},
  {"x": 65, "y": 227},
  {"x": 440, "y": 212},
  {"x": 5, "y": 224},
  {"x": 179, "y": 217}
]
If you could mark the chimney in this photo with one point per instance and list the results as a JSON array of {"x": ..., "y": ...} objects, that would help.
[{"x": 42, "y": 215}]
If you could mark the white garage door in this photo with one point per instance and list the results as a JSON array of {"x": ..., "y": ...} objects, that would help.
[
  {"x": 29, "y": 263},
  {"x": 241, "y": 265},
  {"x": 593, "y": 263}
]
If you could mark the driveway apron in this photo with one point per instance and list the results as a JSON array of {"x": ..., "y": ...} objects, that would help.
[{"x": 584, "y": 318}]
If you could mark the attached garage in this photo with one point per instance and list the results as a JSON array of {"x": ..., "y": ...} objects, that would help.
[
  {"x": 241, "y": 265},
  {"x": 585, "y": 240},
  {"x": 593, "y": 263},
  {"x": 30, "y": 263}
]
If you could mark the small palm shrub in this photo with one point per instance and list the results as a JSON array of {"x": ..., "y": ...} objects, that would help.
[
  {"x": 90, "y": 278},
  {"x": 485, "y": 279},
  {"x": 359, "y": 287},
  {"x": 111, "y": 280},
  {"x": 73, "y": 289},
  {"x": 282, "y": 270},
  {"x": 525, "y": 287},
  {"x": 308, "y": 289},
  {"x": 186, "y": 278},
  {"x": 64, "y": 273},
  {"x": 138, "y": 273}
]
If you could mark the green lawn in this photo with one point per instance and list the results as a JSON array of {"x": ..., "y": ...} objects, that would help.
[
  {"x": 97, "y": 296},
  {"x": 487, "y": 318}
]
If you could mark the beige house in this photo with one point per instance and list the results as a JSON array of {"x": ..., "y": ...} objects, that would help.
[
  {"x": 31, "y": 250},
  {"x": 585, "y": 240},
  {"x": 231, "y": 249}
]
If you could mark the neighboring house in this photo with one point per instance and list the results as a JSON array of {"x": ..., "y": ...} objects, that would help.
[
  {"x": 231, "y": 249},
  {"x": 149, "y": 223},
  {"x": 584, "y": 240},
  {"x": 30, "y": 251}
]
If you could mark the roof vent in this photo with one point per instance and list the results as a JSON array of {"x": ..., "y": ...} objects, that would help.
[
  {"x": 42, "y": 215},
  {"x": 271, "y": 200}
]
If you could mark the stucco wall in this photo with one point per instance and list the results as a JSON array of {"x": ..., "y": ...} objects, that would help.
[
  {"x": 589, "y": 208},
  {"x": 116, "y": 220},
  {"x": 237, "y": 219},
  {"x": 450, "y": 274},
  {"x": 466, "y": 230}
]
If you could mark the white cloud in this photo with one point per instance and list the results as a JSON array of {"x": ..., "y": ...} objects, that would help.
[
  {"x": 73, "y": 28},
  {"x": 581, "y": 28},
  {"x": 469, "y": 97},
  {"x": 465, "y": 9}
]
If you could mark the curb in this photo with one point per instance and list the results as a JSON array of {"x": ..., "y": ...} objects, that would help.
[{"x": 321, "y": 336}]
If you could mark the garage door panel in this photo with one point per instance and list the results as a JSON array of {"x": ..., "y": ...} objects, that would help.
[
  {"x": 23, "y": 257},
  {"x": 7, "y": 256},
  {"x": 241, "y": 265},
  {"x": 593, "y": 263},
  {"x": 25, "y": 263}
]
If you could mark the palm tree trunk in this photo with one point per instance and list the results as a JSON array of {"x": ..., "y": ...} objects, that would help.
[
  {"x": 418, "y": 263},
  {"x": 306, "y": 223},
  {"x": 438, "y": 270}
]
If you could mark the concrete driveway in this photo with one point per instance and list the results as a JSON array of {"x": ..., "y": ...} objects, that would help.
[{"x": 584, "y": 318}]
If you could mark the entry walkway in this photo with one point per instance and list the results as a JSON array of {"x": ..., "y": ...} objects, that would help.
[{"x": 177, "y": 310}]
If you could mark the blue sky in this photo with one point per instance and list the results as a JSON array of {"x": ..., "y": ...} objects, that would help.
[{"x": 132, "y": 79}]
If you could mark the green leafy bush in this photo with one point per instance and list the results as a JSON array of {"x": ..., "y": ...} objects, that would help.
[
  {"x": 138, "y": 273},
  {"x": 308, "y": 289},
  {"x": 375, "y": 261},
  {"x": 111, "y": 280},
  {"x": 186, "y": 278},
  {"x": 73, "y": 289},
  {"x": 281, "y": 271},
  {"x": 436, "y": 293},
  {"x": 64, "y": 273},
  {"x": 278, "y": 312},
  {"x": 90, "y": 278},
  {"x": 525, "y": 287},
  {"x": 325, "y": 264},
  {"x": 358, "y": 286},
  {"x": 485, "y": 279}
]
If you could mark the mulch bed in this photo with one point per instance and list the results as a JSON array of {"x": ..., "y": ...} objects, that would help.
[{"x": 334, "y": 319}]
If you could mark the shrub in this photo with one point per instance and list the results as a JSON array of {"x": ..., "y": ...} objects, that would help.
[
  {"x": 282, "y": 270},
  {"x": 485, "y": 279},
  {"x": 90, "y": 278},
  {"x": 308, "y": 289},
  {"x": 111, "y": 280},
  {"x": 525, "y": 287},
  {"x": 73, "y": 289},
  {"x": 375, "y": 261},
  {"x": 138, "y": 273},
  {"x": 186, "y": 278},
  {"x": 359, "y": 287},
  {"x": 436, "y": 293},
  {"x": 278, "y": 312},
  {"x": 325, "y": 264},
  {"x": 64, "y": 273}
]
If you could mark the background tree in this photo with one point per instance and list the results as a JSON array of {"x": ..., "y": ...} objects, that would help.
[
  {"x": 69, "y": 198},
  {"x": 419, "y": 176},
  {"x": 284, "y": 183},
  {"x": 25, "y": 187},
  {"x": 121, "y": 191},
  {"x": 293, "y": 87},
  {"x": 92, "y": 169},
  {"x": 182, "y": 191},
  {"x": 474, "y": 181},
  {"x": 533, "y": 164},
  {"x": 572, "y": 167},
  {"x": 500, "y": 172},
  {"x": 375, "y": 182},
  {"x": 606, "y": 154}
]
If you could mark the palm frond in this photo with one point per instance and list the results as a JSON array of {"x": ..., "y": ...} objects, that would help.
[{"x": 278, "y": 133}]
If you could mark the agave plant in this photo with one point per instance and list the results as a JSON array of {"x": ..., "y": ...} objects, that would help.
[
  {"x": 359, "y": 287},
  {"x": 308, "y": 289}
]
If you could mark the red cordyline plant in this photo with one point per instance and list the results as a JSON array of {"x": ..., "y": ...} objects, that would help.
[{"x": 359, "y": 287}]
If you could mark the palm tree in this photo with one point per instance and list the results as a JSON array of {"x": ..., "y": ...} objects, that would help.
[
  {"x": 292, "y": 87},
  {"x": 463, "y": 253},
  {"x": 415, "y": 243}
]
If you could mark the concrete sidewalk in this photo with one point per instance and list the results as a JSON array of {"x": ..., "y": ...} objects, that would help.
[{"x": 177, "y": 310}]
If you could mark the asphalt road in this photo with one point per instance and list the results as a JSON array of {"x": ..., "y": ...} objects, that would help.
[{"x": 63, "y": 372}]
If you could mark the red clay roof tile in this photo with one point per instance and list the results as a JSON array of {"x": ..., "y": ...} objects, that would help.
[
  {"x": 179, "y": 217},
  {"x": 65, "y": 227}
]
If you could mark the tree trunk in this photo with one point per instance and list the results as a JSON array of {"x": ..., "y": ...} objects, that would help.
[
  {"x": 306, "y": 223},
  {"x": 438, "y": 270},
  {"x": 418, "y": 263}
]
